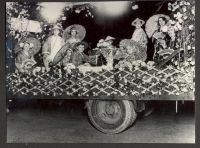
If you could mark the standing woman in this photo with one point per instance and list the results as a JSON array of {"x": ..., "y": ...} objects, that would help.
[
  {"x": 140, "y": 38},
  {"x": 139, "y": 34},
  {"x": 52, "y": 45}
]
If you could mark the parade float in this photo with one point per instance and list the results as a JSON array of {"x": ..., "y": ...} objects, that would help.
[{"x": 111, "y": 94}]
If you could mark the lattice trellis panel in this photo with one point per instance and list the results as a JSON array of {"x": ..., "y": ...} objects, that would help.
[{"x": 141, "y": 80}]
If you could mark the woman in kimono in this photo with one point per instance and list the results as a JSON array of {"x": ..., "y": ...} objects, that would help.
[
  {"x": 73, "y": 37},
  {"x": 74, "y": 34},
  {"x": 160, "y": 38},
  {"x": 52, "y": 45},
  {"x": 25, "y": 57}
]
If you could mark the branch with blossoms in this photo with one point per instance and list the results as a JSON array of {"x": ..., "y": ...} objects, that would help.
[{"x": 181, "y": 29}]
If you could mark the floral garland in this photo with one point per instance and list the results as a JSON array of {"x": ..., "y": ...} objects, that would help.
[{"x": 182, "y": 24}]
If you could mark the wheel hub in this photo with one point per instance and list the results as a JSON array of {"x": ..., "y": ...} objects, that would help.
[{"x": 110, "y": 109}]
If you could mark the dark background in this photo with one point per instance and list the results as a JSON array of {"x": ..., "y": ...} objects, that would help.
[{"x": 118, "y": 27}]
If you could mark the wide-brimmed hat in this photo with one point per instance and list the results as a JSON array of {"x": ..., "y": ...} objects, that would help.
[
  {"x": 81, "y": 43},
  {"x": 58, "y": 27},
  {"x": 108, "y": 38},
  {"x": 137, "y": 20},
  {"x": 21, "y": 44},
  {"x": 34, "y": 43},
  {"x": 152, "y": 24},
  {"x": 81, "y": 32}
]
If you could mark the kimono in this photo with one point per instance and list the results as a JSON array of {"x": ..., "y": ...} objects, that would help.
[
  {"x": 22, "y": 58},
  {"x": 66, "y": 60},
  {"x": 161, "y": 42},
  {"x": 72, "y": 42},
  {"x": 50, "y": 49},
  {"x": 140, "y": 36},
  {"x": 79, "y": 58}
]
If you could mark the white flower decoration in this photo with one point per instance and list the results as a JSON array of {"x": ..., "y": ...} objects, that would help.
[
  {"x": 193, "y": 10},
  {"x": 179, "y": 26},
  {"x": 172, "y": 22},
  {"x": 180, "y": 20},
  {"x": 164, "y": 28},
  {"x": 184, "y": 9},
  {"x": 77, "y": 11},
  {"x": 135, "y": 7},
  {"x": 185, "y": 17},
  {"x": 191, "y": 27},
  {"x": 178, "y": 15},
  {"x": 64, "y": 18},
  {"x": 189, "y": 47},
  {"x": 31, "y": 45},
  {"x": 21, "y": 45}
]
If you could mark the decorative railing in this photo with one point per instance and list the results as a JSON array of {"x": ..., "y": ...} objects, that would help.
[{"x": 142, "y": 79}]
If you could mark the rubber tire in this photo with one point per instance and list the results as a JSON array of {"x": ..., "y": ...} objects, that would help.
[
  {"x": 128, "y": 108},
  {"x": 133, "y": 112}
]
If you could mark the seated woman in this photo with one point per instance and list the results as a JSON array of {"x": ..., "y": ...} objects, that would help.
[
  {"x": 160, "y": 38},
  {"x": 25, "y": 55},
  {"x": 74, "y": 34},
  {"x": 128, "y": 53},
  {"x": 67, "y": 60},
  {"x": 79, "y": 57},
  {"x": 131, "y": 51}
]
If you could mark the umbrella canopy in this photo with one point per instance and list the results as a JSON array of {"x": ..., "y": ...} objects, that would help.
[
  {"x": 35, "y": 45},
  {"x": 81, "y": 32},
  {"x": 152, "y": 24},
  {"x": 61, "y": 54}
]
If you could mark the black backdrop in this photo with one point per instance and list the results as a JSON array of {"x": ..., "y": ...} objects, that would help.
[{"x": 119, "y": 27}]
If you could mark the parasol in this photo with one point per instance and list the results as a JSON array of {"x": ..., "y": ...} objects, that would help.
[
  {"x": 166, "y": 52},
  {"x": 36, "y": 45},
  {"x": 81, "y": 32},
  {"x": 152, "y": 24},
  {"x": 61, "y": 54}
]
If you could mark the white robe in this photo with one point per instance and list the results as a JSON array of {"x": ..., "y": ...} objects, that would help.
[
  {"x": 56, "y": 43},
  {"x": 140, "y": 36}
]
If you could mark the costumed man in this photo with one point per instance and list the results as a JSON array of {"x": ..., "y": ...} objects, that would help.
[
  {"x": 52, "y": 45},
  {"x": 109, "y": 51},
  {"x": 79, "y": 57}
]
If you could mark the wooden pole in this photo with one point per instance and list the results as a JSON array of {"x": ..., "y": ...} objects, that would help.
[{"x": 176, "y": 106}]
